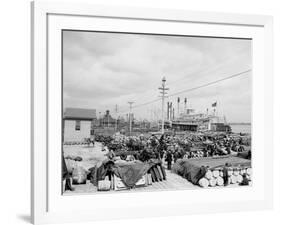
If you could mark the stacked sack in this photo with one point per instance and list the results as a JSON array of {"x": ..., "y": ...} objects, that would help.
[{"x": 214, "y": 177}]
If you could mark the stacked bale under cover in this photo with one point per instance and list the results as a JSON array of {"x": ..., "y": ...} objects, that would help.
[
  {"x": 208, "y": 172},
  {"x": 214, "y": 177}
]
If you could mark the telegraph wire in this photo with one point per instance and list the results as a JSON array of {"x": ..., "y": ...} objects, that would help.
[
  {"x": 192, "y": 89},
  {"x": 195, "y": 88},
  {"x": 210, "y": 83}
]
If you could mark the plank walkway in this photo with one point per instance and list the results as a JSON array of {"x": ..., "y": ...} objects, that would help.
[{"x": 173, "y": 182}]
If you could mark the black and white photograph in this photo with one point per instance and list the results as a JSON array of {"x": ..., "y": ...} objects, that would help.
[{"x": 155, "y": 112}]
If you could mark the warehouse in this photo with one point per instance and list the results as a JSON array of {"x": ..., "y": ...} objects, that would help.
[{"x": 77, "y": 124}]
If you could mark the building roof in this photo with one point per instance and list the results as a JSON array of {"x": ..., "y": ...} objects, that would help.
[{"x": 79, "y": 114}]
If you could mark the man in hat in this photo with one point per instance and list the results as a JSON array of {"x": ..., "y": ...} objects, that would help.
[
  {"x": 225, "y": 174},
  {"x": 169, "y": 159}
]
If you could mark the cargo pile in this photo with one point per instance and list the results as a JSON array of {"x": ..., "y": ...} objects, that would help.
[
  {"x": 211, "y": 172},
  {"x": 215, "y": 177},
  {"x": 126, "y": 175}
]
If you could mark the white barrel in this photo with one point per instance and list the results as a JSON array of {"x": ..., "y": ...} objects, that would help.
[
  {"x": 235, "y": 172},
  {"x": 104, "y": 185},
  {"x": 239, "y": 178},
  {"x": 233, "y": 179},
  {"x": 219, "y": 181},
  {"x": 212, "y": 182},
  {"x": 249, "y": 171},
  {"x": 209, "y": 174},
  {"x": 221, "y": 173},
  {"x": 216, "y": 173},
  {"x": 203, "y": 182},
  {"x": 242, "y": 171}
]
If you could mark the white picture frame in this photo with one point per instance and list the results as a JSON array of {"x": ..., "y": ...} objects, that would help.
[{"x": 47, "y": 205}]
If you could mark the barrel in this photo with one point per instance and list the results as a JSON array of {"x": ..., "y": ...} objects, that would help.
[
  {"x": 203, "y": 182},
  {"x": 235, "y": 172},
  {"x": 249, "y": 171},
  {"x": 212, "y": 182},
  {"x": 219, "y": 181},
  {"x": 239, "y": 178},
  {"x": 242, "y": 171},
  {"x": 233, "y": 179},
  {"x": 216, "y": 173},
  {"x": 209, "y": 174}
]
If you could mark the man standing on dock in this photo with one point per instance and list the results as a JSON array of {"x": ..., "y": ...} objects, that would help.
[
  {"x": 225, "y": 174},
  {"x": 169, "y": 159}
]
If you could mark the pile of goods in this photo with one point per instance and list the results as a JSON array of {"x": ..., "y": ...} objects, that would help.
[
  {"x": 103, "y": 139},
  {"x": 121, "y": 175},
  {"x": 214, "y": 177},
  {"x": 208, "y": 172}
]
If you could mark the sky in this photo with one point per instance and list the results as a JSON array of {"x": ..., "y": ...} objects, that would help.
[{"x": 102, "y": 70}]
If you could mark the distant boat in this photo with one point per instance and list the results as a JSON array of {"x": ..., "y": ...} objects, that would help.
[{"x": 192, "y": 121}]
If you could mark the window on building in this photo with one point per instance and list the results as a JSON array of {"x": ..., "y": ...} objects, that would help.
[{"x": 77, "y": 124}]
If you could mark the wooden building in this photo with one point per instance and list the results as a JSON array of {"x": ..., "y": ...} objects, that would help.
[{"x": 78, "y": 123}]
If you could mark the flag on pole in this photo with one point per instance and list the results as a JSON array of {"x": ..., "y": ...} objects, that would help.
[{"x": 214, "y": 104}]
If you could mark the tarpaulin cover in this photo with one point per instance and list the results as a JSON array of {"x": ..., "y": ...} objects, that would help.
[
  {"x": 191, "y": 169},
  {"x": 129, "y": 172}
]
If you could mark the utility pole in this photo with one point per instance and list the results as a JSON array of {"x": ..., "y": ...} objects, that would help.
[
  {"x": 163, "y": 93},
  {"x": 178, "y": 106},
  {"x": 116, "y": 112},
  {"x": 171, "y": 111},
  {"x": 168, "y": 110},
  {"x": 185, "y": 101},
  {"x": 130, "y": 118}
]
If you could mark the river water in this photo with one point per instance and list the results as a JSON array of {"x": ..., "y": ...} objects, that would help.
[{"x": 243, "y": 128}]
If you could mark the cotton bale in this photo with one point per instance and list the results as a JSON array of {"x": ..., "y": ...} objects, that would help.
[
  {"x": 249, "y": 171},
  {"x": 203, "y": 182},
  {"x": 216, "y": 173},
  {"x": 235, "y": 172},
  {"x": 209, "y": 174},
  {"x": 219, "y": 181},
  {"x": 242, "y": 171},
  {"x": 233, "y": 179},
  {"x": 212, "y": 182},
  {"x": 239, "y": 178}
]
